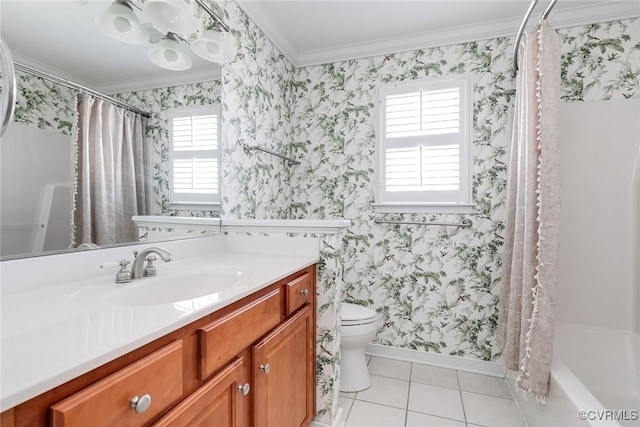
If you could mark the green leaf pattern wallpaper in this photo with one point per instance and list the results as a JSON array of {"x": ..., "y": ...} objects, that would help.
[
  {"x": 257, "y": 94},
  {"x": 44, "y": 104}
]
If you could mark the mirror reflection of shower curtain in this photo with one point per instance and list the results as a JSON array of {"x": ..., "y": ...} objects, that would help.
[{"x": 110, "y": 173}]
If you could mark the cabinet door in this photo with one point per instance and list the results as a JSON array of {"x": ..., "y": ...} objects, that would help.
[
  {"x": 283, "y": 370},
  {"x": 219, "y": 402}
]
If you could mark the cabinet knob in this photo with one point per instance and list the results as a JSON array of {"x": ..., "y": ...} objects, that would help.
[
  {"x": 265, "y": 368},
  {"x": 304, "y": 292},
  {"x": 140, "y": 404},
  {"x": 244, "y": 389}
]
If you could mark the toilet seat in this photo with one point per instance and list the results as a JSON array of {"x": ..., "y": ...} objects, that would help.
[{"x": 354, "y": 314}]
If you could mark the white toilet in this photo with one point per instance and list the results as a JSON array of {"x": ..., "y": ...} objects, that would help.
[{"x": 358, "y": 327}]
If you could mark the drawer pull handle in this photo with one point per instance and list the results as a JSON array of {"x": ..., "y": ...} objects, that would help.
[
  {"x": 244, "y": 389},
  {"x": 266, "y": 368},
  {"x": 140, "y": 404},
  {"x": 304, "y": 292}
]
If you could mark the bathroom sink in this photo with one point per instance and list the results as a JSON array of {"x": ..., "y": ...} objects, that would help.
[{"x": 172, "y": 287}]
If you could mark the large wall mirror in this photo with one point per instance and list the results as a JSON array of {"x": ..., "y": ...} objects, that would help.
[{"x": 39, "y": 152}]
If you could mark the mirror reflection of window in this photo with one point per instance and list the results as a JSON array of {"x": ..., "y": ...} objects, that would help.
[{"x": 195, "y": 158}]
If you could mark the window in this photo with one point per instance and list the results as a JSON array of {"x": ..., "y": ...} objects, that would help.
[
  {"x": 424, "y": 141},
  {"x": 195, "y": 158}
]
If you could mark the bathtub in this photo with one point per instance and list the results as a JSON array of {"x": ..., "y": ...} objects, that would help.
[{"x": 594, "y": 370}]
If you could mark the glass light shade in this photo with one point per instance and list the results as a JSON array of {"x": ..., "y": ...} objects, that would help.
[
  {"x": 215, "y": 46},
  {"x": 166, "y": 55},
  {"x": 120, "y": 23},
  {"x": 170, "y": 15}
]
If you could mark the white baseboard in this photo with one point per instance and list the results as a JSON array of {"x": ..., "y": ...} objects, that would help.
[
  {"x": 443, "y": 360},
  {"x": 339, "y": 421}
]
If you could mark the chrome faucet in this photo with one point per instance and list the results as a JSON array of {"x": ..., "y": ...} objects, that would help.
[{"x": 138, "y": 261}]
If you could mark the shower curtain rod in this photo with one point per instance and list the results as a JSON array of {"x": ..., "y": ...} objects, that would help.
[
  {"x": 80, "y": 88},
  {"x": 527, "y": 15}
]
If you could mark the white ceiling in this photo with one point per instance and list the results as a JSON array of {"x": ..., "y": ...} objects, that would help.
[
  {"x": 306, "y": 31},
  {"x": 312, "y": 32}
]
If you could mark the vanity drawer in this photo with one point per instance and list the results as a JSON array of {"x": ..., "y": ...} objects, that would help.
[
  {"x": 107, "y": 402},
  {"x": 224, "y": 338},
  {"x": 299, "y": 292}
]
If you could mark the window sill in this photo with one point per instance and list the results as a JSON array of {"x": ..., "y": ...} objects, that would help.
[
  {"x": 435, "y": 208},
  {"x": 195, "y": 206}
]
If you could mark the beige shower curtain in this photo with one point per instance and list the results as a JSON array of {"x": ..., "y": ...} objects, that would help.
[
  {"x": 110, "y": 173},
  {"x": 529, "y": 276}
]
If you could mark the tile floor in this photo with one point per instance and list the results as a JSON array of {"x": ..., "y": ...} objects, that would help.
[{"x": 405, "y": 394}]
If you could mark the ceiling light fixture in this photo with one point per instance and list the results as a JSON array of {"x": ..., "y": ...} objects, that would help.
[
  {"x": 170, "y": 15},
  {"x": 215, "y": 45},
  {"x": 176, "y": 19},
  {"x": 167, "y": 55},
  {"x": 120, "y": 23}
]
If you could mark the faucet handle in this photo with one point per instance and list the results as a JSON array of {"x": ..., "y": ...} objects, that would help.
[
  {"x": 124, "y": 275},
  {"x": 150, "y": 269}
]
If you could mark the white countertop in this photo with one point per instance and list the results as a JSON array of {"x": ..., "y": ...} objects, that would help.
[{"x": 57, "y": 325}]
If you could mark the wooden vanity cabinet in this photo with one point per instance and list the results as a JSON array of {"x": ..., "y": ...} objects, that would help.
[{"x": 251, "y": 363}]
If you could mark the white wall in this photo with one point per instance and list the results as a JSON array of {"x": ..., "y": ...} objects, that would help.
[
  {"x": 37, "y": 163},
  {"x": 600, "y": 142}
]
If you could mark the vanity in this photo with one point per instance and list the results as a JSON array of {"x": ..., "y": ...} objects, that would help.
[{"x": 236, "y": 349}]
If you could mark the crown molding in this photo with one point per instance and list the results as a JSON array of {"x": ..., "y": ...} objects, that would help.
[
  {"x": 146, "y": 83},
  {"x": 122, "y": 86},
  {"x": 256, "y": 13},
  {"x": 46, "y": 68},
  {"x": 563, "y": 18}
]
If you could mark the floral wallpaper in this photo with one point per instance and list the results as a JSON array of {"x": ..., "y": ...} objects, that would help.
[
  {"x": 601, "y": 61},
  {"x": 436, "y": 288},
  {"x": 257, "y": 95},
  {"x": 44, "y": 104}
]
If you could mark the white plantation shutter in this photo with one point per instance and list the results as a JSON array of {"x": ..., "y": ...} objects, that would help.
[
  {"x": 195, "y": 156},
  {"x": 424, "y": 142},
  {"x": 423, "y": 168}
]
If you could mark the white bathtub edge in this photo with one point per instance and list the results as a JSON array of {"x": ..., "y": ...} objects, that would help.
[{"x": 567, "y": 396}]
